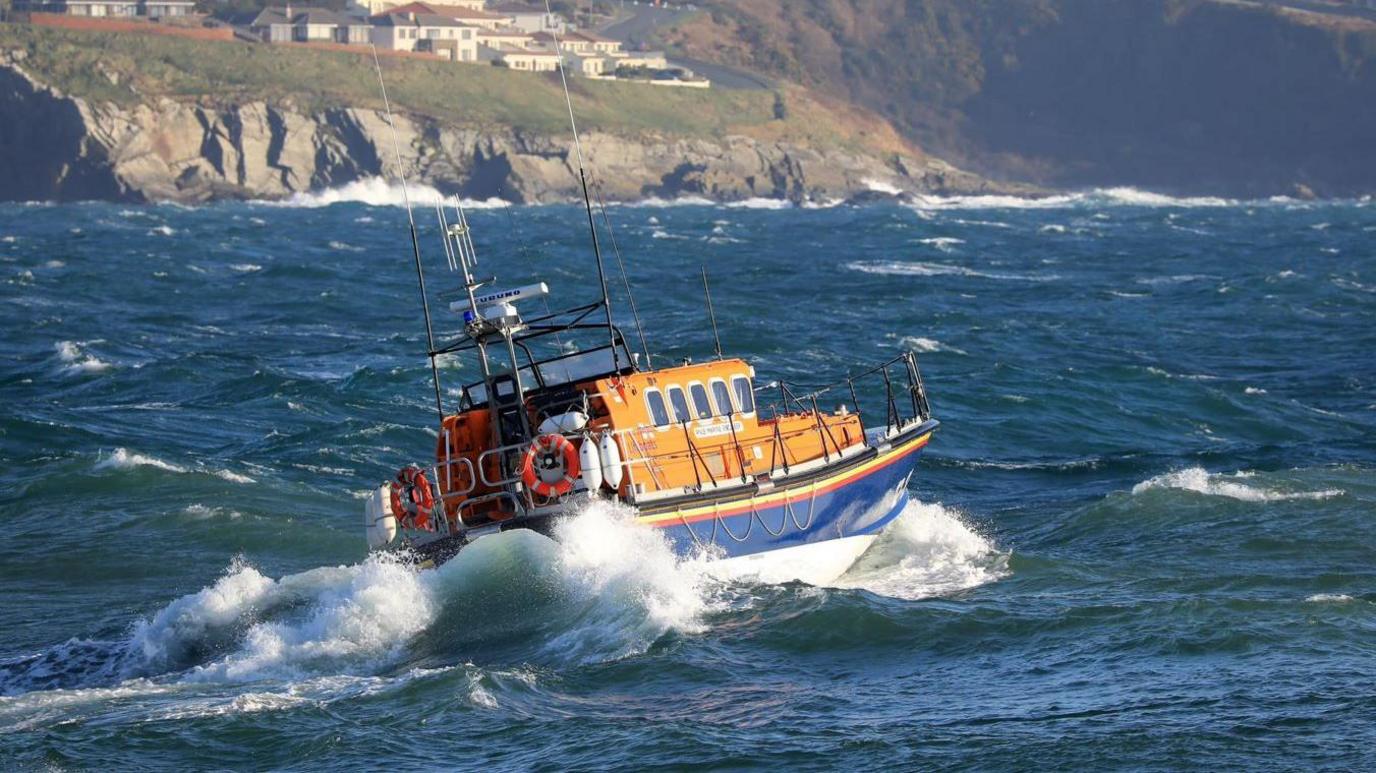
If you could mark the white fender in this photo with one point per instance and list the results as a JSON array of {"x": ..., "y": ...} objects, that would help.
[
  {"x": 611, "y": 460},
  {"x": 591, "y": 464},
  {"x": 564, "y": 423},
  {"x": 378, "y": 521}
]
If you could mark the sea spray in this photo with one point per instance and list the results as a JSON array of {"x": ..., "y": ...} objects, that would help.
[{"x": 929, "y": 550}]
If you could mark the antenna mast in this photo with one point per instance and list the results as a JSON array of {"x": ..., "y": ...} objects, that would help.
[
  {"x": 710, "y": 313},
  {"x": 587, "y": 200},
  {"x": 415, "y": 243}
]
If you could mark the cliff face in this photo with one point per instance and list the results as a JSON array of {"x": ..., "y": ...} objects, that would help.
[
  {"x": 1201, "y": 96},
  {"x": 59, "y": 147}
]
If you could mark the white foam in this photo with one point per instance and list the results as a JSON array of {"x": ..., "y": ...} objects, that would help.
[
  {"x": 1254, "y": 391},
  {"x": 1200, "y": 481},
  {"x": 360, "y": 617},
  {"x": 943, "y": 243},
  {"x": 378, "y": 192},
  {"x": 921, "y": 268},
  {"x": 628, "y": 583},
  {"x": 1174, "y": 279},
  {"x": 657, "y": 202},
  {"x": 123, "y": 459},
  {"x": 1330, "y": 598},
  {"x": 233, "y": 477},
  {"x": 761, "y": 203},
  {"x": 77, "y": 359},
  {"x": 920, "y": 344},
  {"x": 880, "y": 186},
  {"x": 245, "y": 268},
  {"x": 929, "y": 550},
  {"x": 1119, "y": 197},
  {"x": 163, "y": 230}
]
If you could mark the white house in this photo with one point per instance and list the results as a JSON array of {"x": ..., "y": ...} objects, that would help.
[
  {"x": 530, "y": 18},
  {"x": 428, "y": 33},
  {"x": 525, "y": 59}
]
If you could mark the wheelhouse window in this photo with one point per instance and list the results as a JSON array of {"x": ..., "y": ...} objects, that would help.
[
  {"x": 745, "y": 396},
  {"x": 680, "y": 404},
  {"x": 659, "y": 414},
  {"x": 701, "y": 405},
  {"x": 722, "y": 395}
]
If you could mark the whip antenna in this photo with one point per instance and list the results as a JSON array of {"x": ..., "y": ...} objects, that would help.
[
  {"x": 635, "y": 314},
  {"x": 415, "y": 243},
  {"x": 587, "y": 200},
  {"x": 710, "y": 313}
]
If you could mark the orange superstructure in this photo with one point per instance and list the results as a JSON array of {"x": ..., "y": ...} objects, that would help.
[{"x": 677, "y": 429}]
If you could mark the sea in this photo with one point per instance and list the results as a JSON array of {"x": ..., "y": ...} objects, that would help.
[{"x": 1144, "y": 536}]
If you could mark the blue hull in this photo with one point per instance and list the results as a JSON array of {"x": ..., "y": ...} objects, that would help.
[{"x": 851, "y": 503}]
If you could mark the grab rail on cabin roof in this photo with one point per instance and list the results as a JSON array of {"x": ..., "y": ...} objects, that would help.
[{"x": 894, "y": 418}]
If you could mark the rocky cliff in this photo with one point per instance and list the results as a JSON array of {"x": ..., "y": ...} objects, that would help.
[
  {"x": 1232, "y": 97},
  {"x": 56, "y": 146}
]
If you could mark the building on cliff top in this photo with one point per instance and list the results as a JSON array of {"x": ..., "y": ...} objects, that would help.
[
  {"x": 426, "y": 33},
  {"x": 152, "y": 9},
  {"x": 308, "y": 25}
]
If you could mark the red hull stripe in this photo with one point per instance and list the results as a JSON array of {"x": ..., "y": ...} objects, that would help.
[{"x": 702, "y": 513}]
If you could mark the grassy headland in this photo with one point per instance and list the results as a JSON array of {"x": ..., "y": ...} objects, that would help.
[{"x": 129, "y": 68}]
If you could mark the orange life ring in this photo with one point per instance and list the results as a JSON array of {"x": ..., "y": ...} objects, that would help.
[
  {"x": 412, "y": 498},
  {"x": 550, "y": 466}
]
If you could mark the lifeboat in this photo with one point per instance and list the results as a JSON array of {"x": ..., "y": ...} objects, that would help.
[
  {"x": 747, "y": 470},
  {"x": 758, "y": 475}
]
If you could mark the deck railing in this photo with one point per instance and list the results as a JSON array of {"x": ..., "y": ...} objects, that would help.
[{"x": 905, "y": 403}]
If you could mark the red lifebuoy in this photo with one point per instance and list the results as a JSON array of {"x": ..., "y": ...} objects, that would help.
[
  {"x": 412, "y": 498},
  {"x": 550, "y": 466}
]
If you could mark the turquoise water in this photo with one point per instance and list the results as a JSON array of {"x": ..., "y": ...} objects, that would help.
[{"x": 1143, "y": 537}]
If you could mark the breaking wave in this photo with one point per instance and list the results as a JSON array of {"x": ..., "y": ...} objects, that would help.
[
  {"x": 77, "y": 359},
  {"x": 1122, "y": 197},
  {"x": 378, "y": 192},
  {"x": 604, "y": 590},
  {"x": 1231, "y": 486},
  {"x": 125, "y": 460},
  {"x": 929, "y": 550},
  {"x": 921, "y": 268}
]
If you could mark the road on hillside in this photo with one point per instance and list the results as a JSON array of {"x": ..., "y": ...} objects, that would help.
[{"x": 642, "y": 22}]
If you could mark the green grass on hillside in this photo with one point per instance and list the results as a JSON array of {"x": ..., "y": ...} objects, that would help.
[{"x": 128, "y": 68}]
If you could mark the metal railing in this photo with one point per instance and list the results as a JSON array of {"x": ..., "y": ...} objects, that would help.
[{"x": 905, "y": 404}]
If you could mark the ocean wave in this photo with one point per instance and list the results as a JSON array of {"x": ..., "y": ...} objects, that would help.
[
  {"x": 922, "y": 268},
  {"x": 123, "y": 459},
  {"x": 378, "y": 192},
  {"x": 654, "y": 202},
  {"x": 1121, "y": 196},
  {"x": 929, "y": 550},
  {"x": 1231, "y": 486},
  {"x": 605, "y": 589},
  {"x": 928, "y": 345},
  {"x": 760, "y": 203},
  {"x": 76, "y": 358},
  {"x": 1330, "y": 598},
  {"x": 943, "y": 243}
]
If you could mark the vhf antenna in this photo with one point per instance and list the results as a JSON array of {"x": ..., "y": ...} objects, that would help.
[
  {"x": 415, "y": 242},
  {"x": 587, "y": 200},
  {"x": 707, "y": 291}
]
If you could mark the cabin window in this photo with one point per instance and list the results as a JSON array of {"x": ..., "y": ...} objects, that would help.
[
  {"x": 723, "y": 397},
  {"x": 701, "y": 404},
  {"x": 680, "y": 404},
  {"x": 658, "y": 413},
  {"x": 745, "y": 396}
]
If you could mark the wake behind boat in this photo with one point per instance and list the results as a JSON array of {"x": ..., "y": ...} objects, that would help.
[{"x": 565, "y": 412}]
